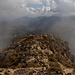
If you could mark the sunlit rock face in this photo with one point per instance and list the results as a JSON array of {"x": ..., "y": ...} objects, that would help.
[{"x": 36, "y": 55}]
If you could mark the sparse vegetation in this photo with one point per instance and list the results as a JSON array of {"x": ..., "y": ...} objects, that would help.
[
  {"x": 35, "y": 65},
  {"x": 52, "y": 59},
  {"x": 34, "y": 52}
]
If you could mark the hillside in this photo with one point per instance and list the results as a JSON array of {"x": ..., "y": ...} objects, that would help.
[
  {"x": 41, "y": 54},
  {"x": 24, "y": 26}
]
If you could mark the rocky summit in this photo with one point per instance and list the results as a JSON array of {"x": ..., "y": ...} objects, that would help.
[{"x": 41, "y": 54}]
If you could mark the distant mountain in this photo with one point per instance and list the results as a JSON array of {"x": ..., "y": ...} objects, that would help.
[
  {"x": 41, "y": 54},
  {"x": 24, "y": 26},
  {"x": 34, "y": 25}
]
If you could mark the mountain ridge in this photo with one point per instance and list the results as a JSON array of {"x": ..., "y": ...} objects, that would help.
[{"x": 43, "y": 53}]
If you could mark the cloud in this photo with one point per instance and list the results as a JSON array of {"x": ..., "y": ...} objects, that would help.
[
  {"x": 18, "y": 8},
  {"x": 65, "y": 6},
  {"x": 48, "y": 8},
  {"x": 10, "y": 8},
  {"x": 33, "y": 1}
]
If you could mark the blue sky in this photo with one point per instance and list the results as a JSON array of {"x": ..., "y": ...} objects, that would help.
[
  {"x": 35, "y": 5},
  {"x": 19, "y": 8}
]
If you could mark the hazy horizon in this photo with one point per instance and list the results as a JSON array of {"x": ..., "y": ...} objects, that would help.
[{"x": 55, "y": 17}]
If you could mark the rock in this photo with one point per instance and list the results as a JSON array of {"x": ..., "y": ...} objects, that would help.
[{"x": 42, "y": 54}]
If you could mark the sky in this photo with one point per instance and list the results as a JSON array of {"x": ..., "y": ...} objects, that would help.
[
  {"x": 11, "y": 9},
  {"x": 33, "y": 8}
]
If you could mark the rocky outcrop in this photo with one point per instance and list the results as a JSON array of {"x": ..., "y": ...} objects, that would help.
[{"x": 42, "y": 54}]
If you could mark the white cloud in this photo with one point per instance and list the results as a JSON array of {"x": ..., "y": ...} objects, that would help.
[
  {"x": 33, "y": 1},
  {"x": 47, "y": 8},
  {"x": 27, "y": 9},
  {"x": 17, "y": 8},
  {"x": 53, "y": 5},
  {"x": 65, "y": 6},
  {"x": 43, "y": 8},
  {"x": 66, "y": 0}
]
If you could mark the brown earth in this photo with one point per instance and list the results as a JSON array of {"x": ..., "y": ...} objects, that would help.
[{"x": 41, "y": 54}]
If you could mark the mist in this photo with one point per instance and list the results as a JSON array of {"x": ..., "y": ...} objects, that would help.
[
  {"x": 5, "y": 34},
  {"x": 64, "y": 27}
]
